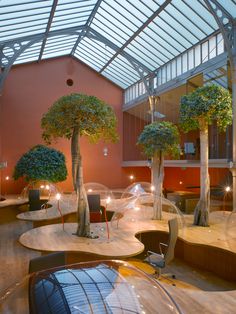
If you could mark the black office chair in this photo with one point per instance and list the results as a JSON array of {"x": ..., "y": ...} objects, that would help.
[
  {"x": 159, "y": 261},
  {"x": 47, "y": 261}
]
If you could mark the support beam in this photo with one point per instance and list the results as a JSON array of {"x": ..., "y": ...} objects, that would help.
[{"x": 48, "y": 28}]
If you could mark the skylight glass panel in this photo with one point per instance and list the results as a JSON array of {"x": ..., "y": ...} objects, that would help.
[
  {"x": 87, "y": 60},
  {"x": 97, "y": 50},
  {"x": 114, "y": 79},
  {"x": 108, "y": 33},
  {"x": 157, "y": 52},
  {"x": 120, "y": 71},
  {"x": 21, "y": 18},
  {"x": 142, "y": 56},
  {"x": 72, "y": 23},
  {"x": 56, "y": 53},
  {"x": 146, "y": 6},
  {"x": 197, "y": 13},
  {"x": 91, "y": 56},
  {"x": 154, "y": 30},
  {"x": 62, "y": 44},
  {"x": 71, "y": 13},
  {"x": 126, "y": 67},
  {"x": 178, "y": 19}
]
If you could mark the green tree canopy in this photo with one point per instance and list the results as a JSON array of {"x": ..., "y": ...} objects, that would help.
[
  {"x": 211, "y": 103},
  {"x": 92, "y": 116},
  {"x": 159, "y": 136},
  {"x": 41, "y": 163}
]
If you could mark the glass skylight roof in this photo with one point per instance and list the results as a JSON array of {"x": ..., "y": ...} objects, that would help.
[{"x": 105, "y": 34}]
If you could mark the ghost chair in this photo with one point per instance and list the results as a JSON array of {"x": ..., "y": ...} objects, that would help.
[{"x": 159, "y": 261}]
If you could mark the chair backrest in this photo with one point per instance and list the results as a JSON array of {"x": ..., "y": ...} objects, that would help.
[
  {"x": 94, "y": 202},
  {"x": 47, "y": 261},
  {"x": 173, "y": 235}
]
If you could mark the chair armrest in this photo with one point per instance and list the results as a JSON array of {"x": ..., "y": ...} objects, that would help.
[
  {"x": 160, "y": 247},
  {"x": 151, "y": 253}
]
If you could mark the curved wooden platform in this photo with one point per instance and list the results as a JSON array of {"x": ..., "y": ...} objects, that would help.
[
  {"x": 13, "y": 200},
  {"x": 207, "y": 248},
  {"x": 67, "y": 209}
]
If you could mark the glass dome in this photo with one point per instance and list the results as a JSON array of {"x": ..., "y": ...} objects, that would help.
[
  {"x": 230, "y": 230},
  {"x": 94, "y": 287},
  {"x": 46, "y": 189},
  {"x": 137, "y": 205}
]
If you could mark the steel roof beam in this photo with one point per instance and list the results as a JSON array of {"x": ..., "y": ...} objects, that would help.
[
  {"x": 149, "y": 20},
  {"x": 88, "y": 23},
  {"x": 48, "y": 28}
]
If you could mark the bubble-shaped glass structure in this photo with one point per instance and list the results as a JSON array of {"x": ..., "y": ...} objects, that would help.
[
  {"x": 46, "y": 189},
  {"x": 230, "y": 230},
  {"x": 92, "y": 287},
  {"x": 137, "y": 205},
  {"x": 93, "y": 188}
]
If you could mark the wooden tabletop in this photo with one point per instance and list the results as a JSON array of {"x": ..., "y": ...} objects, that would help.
[
  {"x": 123, "y": 242},
  {"x": 68, "y": 206},
  {"x": 12, "y": 200}
]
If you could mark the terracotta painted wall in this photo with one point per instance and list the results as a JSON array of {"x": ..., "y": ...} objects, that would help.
[
  {"x": 180, "y": 179},
  {"x": 28, "y": 93}
]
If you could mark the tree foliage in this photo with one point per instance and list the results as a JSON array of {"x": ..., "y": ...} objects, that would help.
[
  {"x": 211, "y": 103},
  {"x": 93, "y": 117},
  {"x": 159, "y": 136},
  {"x": 41, "y": 163}
]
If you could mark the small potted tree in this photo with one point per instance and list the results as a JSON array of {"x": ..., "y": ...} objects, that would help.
[
  {"x": 40, "y": 163},
  {"x": 72, "y": 117},
  {"x": 156, "y": 140},
  {"x": 197, "y": 111}
]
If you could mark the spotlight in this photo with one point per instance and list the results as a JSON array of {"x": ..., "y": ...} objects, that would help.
[
  {"x": 227, "y": 189},
  {"x": 105, "y": 151}
]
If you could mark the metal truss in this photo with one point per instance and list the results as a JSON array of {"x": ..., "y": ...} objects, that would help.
[
  {"x": 227, "y": 26},
  {"x": 18, "y": 46}
]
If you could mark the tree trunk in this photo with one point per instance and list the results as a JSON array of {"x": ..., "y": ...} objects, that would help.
[
  {"x": 83, "y": 229},
  {"x": 75, "y": 155},
  {"x": 201, "y": 213},
  {"x": 158, "y": 175}
]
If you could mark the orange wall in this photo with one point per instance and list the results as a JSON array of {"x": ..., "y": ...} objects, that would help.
[
  {"x": 179, "y": 179},
  {"x": 28, "y": 93}
]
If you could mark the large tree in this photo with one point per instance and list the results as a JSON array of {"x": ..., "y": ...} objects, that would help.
[
  {"x": 71, "y": 117},
  {"x": 156, "y": 140},
  {"x": 197, "y": 111}
]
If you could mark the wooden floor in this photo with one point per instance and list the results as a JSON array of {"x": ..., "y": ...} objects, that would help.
[{"x": 195, "y": 291}]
